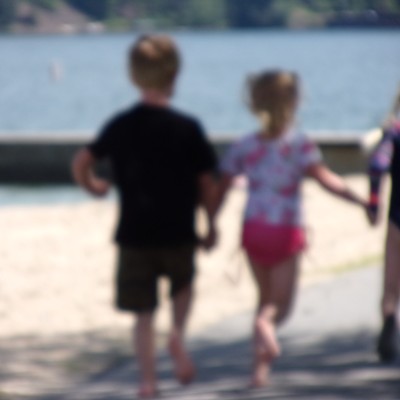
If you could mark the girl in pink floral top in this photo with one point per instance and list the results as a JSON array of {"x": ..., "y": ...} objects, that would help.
[{"x": 275, "y": 160}]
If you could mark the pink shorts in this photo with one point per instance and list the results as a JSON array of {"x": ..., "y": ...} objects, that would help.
[{"x": 269, "y": 245}]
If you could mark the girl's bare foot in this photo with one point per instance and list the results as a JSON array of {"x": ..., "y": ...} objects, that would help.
[
  {"x": 266, "y": 350},
  {"x": 147, "y": 391},
  {"x": 260, "y": 376},
  {"x": 184, "y": 368},
  {"x": 267, "y": 346}
]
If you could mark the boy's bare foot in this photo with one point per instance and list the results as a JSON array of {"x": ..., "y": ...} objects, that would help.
[
  {"x": 184, "y": 368},
  {"x": 147, "y": 391}
]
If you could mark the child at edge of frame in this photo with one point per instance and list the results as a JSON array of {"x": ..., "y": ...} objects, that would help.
[
  {"x": 386, "y": 158},
  {"x": 275, "y": 158},
  {"x": 163, "y": 167}
]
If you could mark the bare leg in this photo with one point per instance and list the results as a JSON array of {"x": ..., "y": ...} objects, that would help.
[
  {"x": 144, "y": 347},
  {"x": 184, "y": 368},
  {"x": 391, "y": 286},
  {"x": 276, "y": 291},
  {"x": 387, "y": 341}
]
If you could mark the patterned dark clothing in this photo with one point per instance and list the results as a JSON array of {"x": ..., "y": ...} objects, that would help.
[{"x": 386, "y": 158}]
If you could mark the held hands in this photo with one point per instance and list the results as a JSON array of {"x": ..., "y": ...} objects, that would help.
[
  {"x": 210, "y": 240},
  {"x": 373, "y": 215},
  {"x": 373, "y": 209},
  {"x": 97, "y": 186}
]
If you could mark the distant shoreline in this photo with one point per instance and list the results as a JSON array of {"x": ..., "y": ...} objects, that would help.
[
  {"x": 173, "y": 30},
  {"x": 74, "y": 16}
]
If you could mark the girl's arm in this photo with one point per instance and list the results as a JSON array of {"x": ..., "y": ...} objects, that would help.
[
  {"x": 333, "y": 183},
  {"x": 83, "y": 173},
  {"x": 315, "y": 168},
  {"x": 212, "y": 194},
  {"x": 225, "y": 183},
  {"x": 231, "y": 166}
]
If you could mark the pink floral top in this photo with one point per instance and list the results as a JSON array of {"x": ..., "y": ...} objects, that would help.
[{"x": 274, "y": 169}]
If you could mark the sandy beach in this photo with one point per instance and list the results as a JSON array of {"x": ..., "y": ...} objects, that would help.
[{"x": 57, "y": 265}]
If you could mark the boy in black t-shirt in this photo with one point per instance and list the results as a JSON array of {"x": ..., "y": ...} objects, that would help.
[{"x": 163, "y": 167}]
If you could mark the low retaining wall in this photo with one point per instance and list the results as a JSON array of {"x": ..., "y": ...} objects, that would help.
[{"x": 46, "y": 159}]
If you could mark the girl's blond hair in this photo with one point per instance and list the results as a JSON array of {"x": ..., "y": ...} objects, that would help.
[{"x": 273, "y": 97}]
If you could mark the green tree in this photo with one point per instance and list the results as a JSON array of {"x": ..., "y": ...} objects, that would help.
[
  {"x": 170, "y": 13},
  {"x": 200, "y": 13},
  {"x": 96, "y": 9},
  {"x": 47, "y": 4},
  {"x": 7, "y": 13},
  {"x": 245, "y": 14}
]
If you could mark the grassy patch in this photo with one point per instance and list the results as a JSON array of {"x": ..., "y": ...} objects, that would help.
[{"x": 343, "y": 268}]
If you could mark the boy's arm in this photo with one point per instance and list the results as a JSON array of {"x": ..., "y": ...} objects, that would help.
[
  {"x": 214, "y": 195},
  {"x": 333, "y": 183},
  {"x": 214, "y": 192},
  {"x": 208, "y": 189},
  {"x": 83, "y": 173}
]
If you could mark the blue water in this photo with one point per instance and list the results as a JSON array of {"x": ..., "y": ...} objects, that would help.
[
  {"x": 43, "y": 195},
  {"x": 349, "y": 78}
]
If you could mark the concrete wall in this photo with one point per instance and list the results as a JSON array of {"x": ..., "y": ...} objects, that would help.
[{"x": 40, "y": 159}]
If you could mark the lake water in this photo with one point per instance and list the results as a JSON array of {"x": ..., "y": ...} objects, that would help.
[{"x": 349, "y": 78}]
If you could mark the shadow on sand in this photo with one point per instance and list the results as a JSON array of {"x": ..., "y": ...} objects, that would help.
[{"x": 339, "y": 367}]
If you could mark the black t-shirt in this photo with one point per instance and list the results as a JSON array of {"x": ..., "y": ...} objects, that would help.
[{"x": 157, "y": 155}]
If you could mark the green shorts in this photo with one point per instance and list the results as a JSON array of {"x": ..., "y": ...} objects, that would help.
[{"x": 139, "y": 269}]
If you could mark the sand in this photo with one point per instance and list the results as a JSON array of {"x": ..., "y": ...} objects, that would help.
[
  {"x": 57, "y": 262},
  {"x": 56, "y": 280}
]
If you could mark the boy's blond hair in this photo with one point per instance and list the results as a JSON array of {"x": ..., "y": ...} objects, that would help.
[
  {"x": 154, "y": 62},
  {"x": 273, "y": 97}
]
